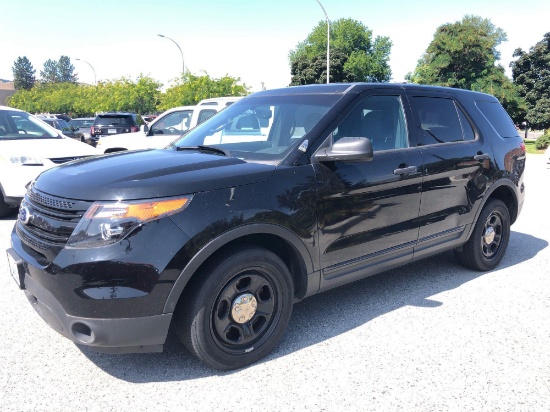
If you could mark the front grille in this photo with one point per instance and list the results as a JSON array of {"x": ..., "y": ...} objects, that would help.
[{"x": 52, "y": 221}]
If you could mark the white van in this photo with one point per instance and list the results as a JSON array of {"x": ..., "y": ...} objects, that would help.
[
  {"x": 28, "y": 146},
  {"x": 169, "y": 126}
]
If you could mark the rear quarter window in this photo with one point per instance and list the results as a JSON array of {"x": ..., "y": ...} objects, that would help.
[{"x": 498, "y": 118}]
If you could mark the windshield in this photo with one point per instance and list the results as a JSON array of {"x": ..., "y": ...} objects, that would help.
[
  {"x": 21, "y": 125},
  {"x": 112, "y": 120},
  {"x": 262, "y": 129}
]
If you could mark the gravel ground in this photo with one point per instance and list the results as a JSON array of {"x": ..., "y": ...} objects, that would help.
[{"x": 430, "y": 336}]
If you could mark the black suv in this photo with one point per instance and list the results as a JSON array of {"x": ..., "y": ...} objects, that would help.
[
  {"x": 282, "y": 195},
  {"x": 114, "y": 123}
]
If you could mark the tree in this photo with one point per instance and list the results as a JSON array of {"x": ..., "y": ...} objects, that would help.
[
  {"x": 58, "y": 71},
  {"x": 23, "y": 74},
  {"x": 357, "y": 57},
  {"x": 309, "y": 70},
  {"x": 65, "y": 70},
  {"x": 464, "y": 55},
  {"x": 531, "y": 73},
  {"x": 460, "y": 53},
  {"x": 191, "y": 89}
]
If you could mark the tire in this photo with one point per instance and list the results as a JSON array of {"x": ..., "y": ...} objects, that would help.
[
  {"x": 236, "y": 310},
  {"x": 489, "y": 240}
]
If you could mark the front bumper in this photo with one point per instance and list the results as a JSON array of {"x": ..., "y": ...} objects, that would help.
[{"x": 112, "y": 335}]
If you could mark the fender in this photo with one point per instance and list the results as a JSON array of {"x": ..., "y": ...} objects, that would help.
[
  {"x": 503, "y": 182},
  {"x": 223, "y": 240}
]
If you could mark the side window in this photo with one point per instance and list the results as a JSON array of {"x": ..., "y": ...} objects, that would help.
[
  {"x": 499, "y": 119},
  {"x": 467, "y": 129},
  {"x": 379, "y": 118},
  {"x": 439, "y": 120},
  {"x": 173, "y": 123},
  {"x": 205, "y": 114}
]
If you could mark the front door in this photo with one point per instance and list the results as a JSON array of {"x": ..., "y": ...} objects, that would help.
[{"x": 368, "y": 211}]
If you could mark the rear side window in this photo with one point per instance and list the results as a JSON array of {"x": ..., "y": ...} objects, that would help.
[
  {"x": 499, "y": 119},
  {"x": 441, "y": 121}
]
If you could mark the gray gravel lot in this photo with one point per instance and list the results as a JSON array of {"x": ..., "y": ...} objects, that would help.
[{"x": 431, "y": 336}]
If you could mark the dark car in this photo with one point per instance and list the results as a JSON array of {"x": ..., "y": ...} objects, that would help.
[
  {"x": 84, "y": 125},
  {"x": 106, "y": 124},
  {"x": 282, "y": 195},
  {"x": 63, "y": 127}
]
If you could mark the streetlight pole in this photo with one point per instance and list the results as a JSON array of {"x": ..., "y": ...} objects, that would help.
[
  {"x": 95, "y": 77},
  {"x": 328, "y": 41},
  {"x": 182, "y": 62}
]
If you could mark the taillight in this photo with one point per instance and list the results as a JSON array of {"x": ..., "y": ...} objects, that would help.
[
  {"x": 92, "y": 130},
  {"x": 134, "y": 129},
  {"x": 522, "y": 146}
]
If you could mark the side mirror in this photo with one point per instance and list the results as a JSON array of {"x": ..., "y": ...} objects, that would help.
[
  {"x": 144, "y": 128},
  {"x": 346, "y": 149}
]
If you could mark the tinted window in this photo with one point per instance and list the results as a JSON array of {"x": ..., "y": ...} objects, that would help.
[
  {"x": 205, "y": 114},
  {"x": 438, "y": 118},
  {"x": 499, "y": 119},
  {"x": 112, "y": 120},
  {"x": 467, "y": 129},
  {"x": 380, "y": 118}
]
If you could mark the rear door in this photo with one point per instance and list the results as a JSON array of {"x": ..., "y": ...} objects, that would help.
[
  {"x": 457, "y": 168},
  {"x": 368, "y": 211}
]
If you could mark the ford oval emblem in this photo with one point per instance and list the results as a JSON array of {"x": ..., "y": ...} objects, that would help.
[{"x": 25, "y": 215}]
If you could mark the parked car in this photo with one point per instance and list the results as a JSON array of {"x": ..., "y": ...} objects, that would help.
[
  {"x": 162, "y": 131},
  {"x": 106, "y": 124},
  {"x": 284, "y": 194},
  {"x": 64, "y": 127},
  {"x": 167, "y": 127},
  {"x": 84, "y": 125},
  {"x": 28, "y": 146}
]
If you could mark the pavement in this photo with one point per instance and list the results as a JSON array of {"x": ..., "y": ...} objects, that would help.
[{"x": 430, "y": 336}]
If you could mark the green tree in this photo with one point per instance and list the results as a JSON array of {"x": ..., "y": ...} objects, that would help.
[
  {"x": 531, "y": 73},
  {"x": 191, "y": 89},
  {"x": 58, "y": 71},
  {"x": 310, "y": 70},
  {"x": 66, "y": 70},
  {"x": 23, "y": 74},
  {"x": 357, "y": 56},
  {"x": 50, "y": 74},
  {"x": 460, "y": 53},
  {"x": 464, "y": 55}
]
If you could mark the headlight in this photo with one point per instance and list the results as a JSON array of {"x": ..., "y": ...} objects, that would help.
[
  {"x": 105, "y": 223},
  {"x": 22, "y": 160}
]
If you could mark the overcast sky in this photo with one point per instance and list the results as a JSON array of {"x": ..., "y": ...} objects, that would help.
[{"x": 249, "y": 39}]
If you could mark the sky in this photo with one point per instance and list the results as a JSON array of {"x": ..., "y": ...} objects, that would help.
[{"x": 247, "y": 39}]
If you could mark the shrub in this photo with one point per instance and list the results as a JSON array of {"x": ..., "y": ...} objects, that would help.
[{"x": 543, "y": 142}]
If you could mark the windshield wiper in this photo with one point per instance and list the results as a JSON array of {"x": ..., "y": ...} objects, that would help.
[{"x": 210, "y": 149}]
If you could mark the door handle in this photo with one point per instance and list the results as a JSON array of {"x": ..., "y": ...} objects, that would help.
[
  {"x": 405, "y": 170},
  {"x": 484, "y": 156}
]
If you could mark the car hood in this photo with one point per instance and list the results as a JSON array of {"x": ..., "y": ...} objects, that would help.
[
  {"x": 149, "y": 174},
  {"x": 46, "y": 148}
]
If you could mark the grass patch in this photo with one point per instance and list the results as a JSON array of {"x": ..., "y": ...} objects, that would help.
[{"x": 530, "y": 148}]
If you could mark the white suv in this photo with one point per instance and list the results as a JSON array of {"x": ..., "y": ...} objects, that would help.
[
  {"x": 167, "y": 127},
  {"x": 28, "y": 146}
]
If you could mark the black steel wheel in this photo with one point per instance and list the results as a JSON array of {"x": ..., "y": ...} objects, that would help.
[
  {"x": 236, "y": 310},
  {"x": 489, "y": 239}
]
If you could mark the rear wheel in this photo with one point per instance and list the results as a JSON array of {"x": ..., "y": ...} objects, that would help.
[
  {"x": 237, "y": 308},
  {"x": 489, "y": 240}
]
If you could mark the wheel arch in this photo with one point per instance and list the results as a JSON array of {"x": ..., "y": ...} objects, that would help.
[
  {"x": 279, "y": 240},
  {"x": 505, "y": 191}
]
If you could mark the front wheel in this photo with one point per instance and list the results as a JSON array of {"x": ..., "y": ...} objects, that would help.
[
  {"x": 489, "y": 240},
  {"x": 236, "y": 310}
]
